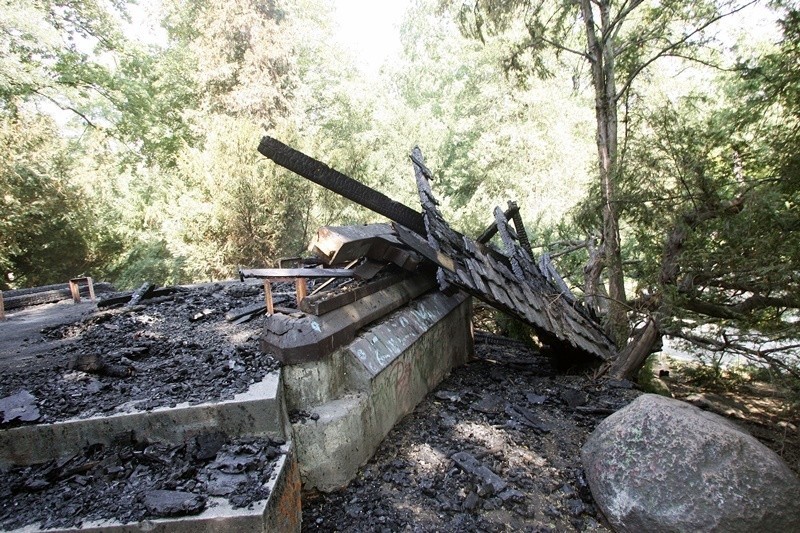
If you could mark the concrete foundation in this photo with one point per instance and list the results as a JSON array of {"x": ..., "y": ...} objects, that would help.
[
  {"x": 356, "y": 393},
  {"x": 360, "y": 391}
]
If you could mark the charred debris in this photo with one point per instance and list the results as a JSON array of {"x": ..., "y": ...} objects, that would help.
[{"x": 424, "y": 246}]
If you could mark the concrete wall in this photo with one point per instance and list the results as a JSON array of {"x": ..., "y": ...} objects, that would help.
[{"x": 360, "y": 392}]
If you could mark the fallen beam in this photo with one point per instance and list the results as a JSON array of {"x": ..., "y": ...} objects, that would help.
[
  {"x": 337, "y": 244},
  {"x": 16, "y": 299},
  {"x": 126, "y": 298},
  {"x": 290, "y": 273},
  {"x": 333, "y": 180},
  {"x": 319, "y": 304}
]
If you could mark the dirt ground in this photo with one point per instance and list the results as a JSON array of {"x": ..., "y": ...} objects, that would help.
[{"x": 413, "y": 482}]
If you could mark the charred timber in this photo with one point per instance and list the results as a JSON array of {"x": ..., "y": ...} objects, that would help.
[
  {"x": 287, "y": 273},
  {"x": 331, "y": 179},
  {"x": 515, "y": 286}
]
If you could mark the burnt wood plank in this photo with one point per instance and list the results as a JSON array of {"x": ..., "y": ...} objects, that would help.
[
  {"x": 249, "y": 311},
  {"x": 339, "y": 244},
  {"x": 331, "y": 179},
  {"x": 289, "y": 273},
  {"x": 125, "y": 298},
  {"x": 319, "y": 304},
  {"x": 368, "y": 270},
  {"x": 491, "y": 229},
  {"x": 423, "y": 248}
]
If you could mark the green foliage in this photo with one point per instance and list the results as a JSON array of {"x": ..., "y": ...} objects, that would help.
[
  {"x": 236, "y": 208},
  {"x": 648, "y": 381},
  {"x": 45, "y": 226},
  {"x": 488, "y": 139},
  {"x": 512, "y": 328},
  {"x": 147, "y": 261}
]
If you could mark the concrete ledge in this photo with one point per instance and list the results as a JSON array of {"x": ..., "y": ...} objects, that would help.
[
  {"x": 298, "y": 340},
  {"x": 421, "y": 344},
  {"x": 281, "y": 511},
  {"x": 317, "y": 382},
  {"x": 257, "y": 412}
]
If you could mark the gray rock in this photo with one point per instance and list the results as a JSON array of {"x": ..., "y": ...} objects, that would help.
[{"x": 664, "y": 465}]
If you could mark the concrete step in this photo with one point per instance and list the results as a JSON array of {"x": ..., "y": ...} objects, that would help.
[{"x": 257, "y": 412}]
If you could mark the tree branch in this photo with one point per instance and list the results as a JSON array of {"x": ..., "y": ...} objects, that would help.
[
  {"x": 563, "y": 48},
  {"x": 65, "y": 107},
  {"x": 680, "y": 42},
  {"x": 708, "y": 64},
  {"x": 725, "y": 345},
  {"x": 739, "y": 310}
]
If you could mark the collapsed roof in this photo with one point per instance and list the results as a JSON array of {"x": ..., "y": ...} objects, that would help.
[{"x": 507, "y": 279}]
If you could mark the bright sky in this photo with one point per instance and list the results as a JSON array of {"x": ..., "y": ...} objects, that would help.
[{"x": 370, "y": 28}]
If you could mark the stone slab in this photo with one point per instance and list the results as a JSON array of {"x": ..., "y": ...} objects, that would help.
[{"x": 377, "y": 346}]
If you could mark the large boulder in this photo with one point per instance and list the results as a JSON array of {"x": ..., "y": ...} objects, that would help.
[{"x": 663, "y": 465}]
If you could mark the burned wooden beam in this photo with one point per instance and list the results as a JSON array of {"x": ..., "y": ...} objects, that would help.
[
  {"x": 125, "y": 298},
  {"x": 522, "y": 235},
  {"x": 319, "y": 304},
  {"x": 336, "y": 244},
  {"x": 333, "y": 180},
  {"x": 15, "y": 299},
  {"x": 512, "y": 214},
  {"x": 291, "y": 273},
  {"x": 491, "y": 229},
  {"x": 515, "y": 285},
  {"x": 248, "y": 312},
  {"x": 145, "y": 291}
]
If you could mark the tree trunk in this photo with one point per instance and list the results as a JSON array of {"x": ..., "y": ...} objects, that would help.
[
  {"x": 595, "y": 295},
  {"x": 601, "y": 54},
  {"x": 633, "y": 356}
]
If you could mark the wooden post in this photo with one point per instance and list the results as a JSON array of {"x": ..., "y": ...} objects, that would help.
[
  {"x": 268, "y": 297},
  {"x": 76, "y": 292},
  {"x": 75, "y": 289},
  {"x": 2, "y": 307},
  {"x": 91, "y": 288},
  {"x": 302, "y": 290}
]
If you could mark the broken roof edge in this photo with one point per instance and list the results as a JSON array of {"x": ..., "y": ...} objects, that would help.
[{"x": 536, "y": 300}]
